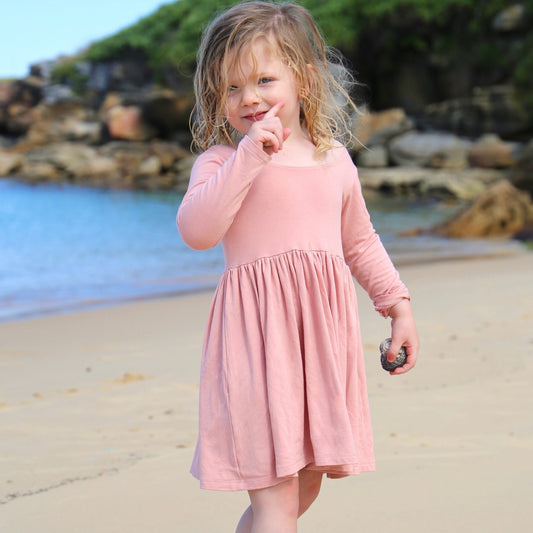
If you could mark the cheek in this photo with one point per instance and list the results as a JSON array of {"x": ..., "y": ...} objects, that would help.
[{"x": 229, "y": 108}]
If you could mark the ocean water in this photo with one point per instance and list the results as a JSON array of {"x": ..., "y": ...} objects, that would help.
[{"x": 66, "y": 247}]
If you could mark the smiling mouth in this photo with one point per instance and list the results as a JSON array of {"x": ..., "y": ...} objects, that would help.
[{"x": 256, "y": 117}]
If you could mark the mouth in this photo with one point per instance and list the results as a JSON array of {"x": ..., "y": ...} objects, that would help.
[{"x": 256, "y": 117}]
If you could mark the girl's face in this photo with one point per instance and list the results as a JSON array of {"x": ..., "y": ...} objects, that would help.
[{"x": 256, "y": 87}]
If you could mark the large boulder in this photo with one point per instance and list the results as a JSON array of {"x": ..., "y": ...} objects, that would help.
[
  {"x": 421, "y": 149},
  {"x": 168, "y": 111},
  {"x": 502, "y": 210},
  {"x": 465, "y": 184},
  {"x": 377, "y": 128},
  {"x": 17, "y": 100},
  {"x": 64, "y": 122},
  {"x": 9, "y": 163},
  {"x": 73, "y": 161},
  {"x": 491, "y": 152},
  {"x": 127, "y": 123}
]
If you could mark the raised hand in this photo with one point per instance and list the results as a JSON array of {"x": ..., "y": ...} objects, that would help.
[{"x": 269, "y": 130}]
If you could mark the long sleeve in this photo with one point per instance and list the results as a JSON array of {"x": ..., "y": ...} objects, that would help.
[
  {"x": 220, "y": 180},
  {"x": 366, "y": 256}
]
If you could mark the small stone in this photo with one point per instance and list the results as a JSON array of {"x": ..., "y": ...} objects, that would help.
[{"x": 387, "y": 365}]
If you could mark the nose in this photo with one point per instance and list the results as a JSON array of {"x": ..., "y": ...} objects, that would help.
[{"x": 250, "y": 96}]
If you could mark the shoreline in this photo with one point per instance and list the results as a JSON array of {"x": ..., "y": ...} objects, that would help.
[{"x": 455, "y": 250}]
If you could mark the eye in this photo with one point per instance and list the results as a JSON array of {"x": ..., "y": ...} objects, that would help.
[
  {"x": 264, "y": 80},
  {"x": 232, "y": 88}
]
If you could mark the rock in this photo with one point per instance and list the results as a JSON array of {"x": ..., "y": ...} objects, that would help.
[
  {"x": 429, "y": 183},
  {"x": 168, "y": 153},
  {"x": 102, "y": 169},
  {"x": 447, "y": 186},
  {"x": 7, "y": 142},
  {"x": 451, "y": 158},
  {"x": 525, "y": 234},
  {"x": 499, "y": 109},
  {"x": 120, "y": 75},
  {"x": 7, "y": 91},
  {"x": 150, "y": 166},
  {"x": 65, "y": 121},
  {"x": 16, "y": 118},
  {"x": 17, "y": 100},
  {"x": 75, "y": 161},
  {"x": 58, "y": 94},
  {"x": 111, "y": 100},
  {"x": 415, "y": 149},
  {"x": 379, "y": 127},
  {"x": 377, "y": 156},
  {"x": 168, "y": 111},
  {"x": 9, "y": 163},
  {"x": 387, "y": 365},
  {"x": 40, "y": 171},
  {"x": 491, "y": 152},
  {"x": 511, "y": 18},
  {"x": 183, "y": 172},
  {"x": 126, "y": 122},
  {"x": 502, "y": 210},
  {"x": 522, "y": 173},
  {"x": 68, "y": 130},
  {"x": 44, "y": 69}
]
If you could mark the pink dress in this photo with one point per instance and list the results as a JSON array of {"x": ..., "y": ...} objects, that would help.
[{"x": 282, "y": 383}]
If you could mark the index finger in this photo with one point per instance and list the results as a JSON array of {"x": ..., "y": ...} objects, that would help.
[{"x": 274, "y": 110}]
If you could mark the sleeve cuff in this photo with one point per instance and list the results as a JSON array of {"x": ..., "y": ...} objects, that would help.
[{"x": 385, "y": 304}]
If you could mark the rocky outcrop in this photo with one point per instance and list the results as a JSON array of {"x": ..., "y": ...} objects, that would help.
[
  {"x": 65, "y": 121},
  {"x": 426, "y": 183},
  {"x": 17, "y": 102},
  {"x": 502, "y": 210},
  {"x": 491, "y": 152},
  {"x": 9, "y": 163},
  {"x": 132, "y": 140},
  {"x": 127, "y": 123},
  {"x": 377, "y": 128},
  {"x": 421, "y": 149},
  {"x": 155, "y": 166}
]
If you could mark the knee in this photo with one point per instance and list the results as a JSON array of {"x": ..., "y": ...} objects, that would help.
[
  {"x": 276, "y": 504},
  {"x": 289, "y": 499},
  {"x": 308, "y": 493}
]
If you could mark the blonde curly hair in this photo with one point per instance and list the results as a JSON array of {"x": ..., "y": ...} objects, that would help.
[{"x": 323, "y": 80}]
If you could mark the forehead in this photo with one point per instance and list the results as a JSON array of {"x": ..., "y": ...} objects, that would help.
[{"x": 253, "y": 57}]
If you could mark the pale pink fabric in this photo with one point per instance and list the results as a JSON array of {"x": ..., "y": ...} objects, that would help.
[{"x": 283, "y": 383}]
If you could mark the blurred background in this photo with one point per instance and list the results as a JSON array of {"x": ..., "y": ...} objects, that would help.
[{"x": 94, "y": 144}]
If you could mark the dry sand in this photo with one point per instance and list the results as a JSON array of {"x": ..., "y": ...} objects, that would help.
[{"x": 98, "y": 417}]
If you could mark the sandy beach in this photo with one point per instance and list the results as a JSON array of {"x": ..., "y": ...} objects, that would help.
[{"x": 98, "y": 414}]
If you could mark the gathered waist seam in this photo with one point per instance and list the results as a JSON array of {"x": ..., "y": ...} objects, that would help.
[{"x": 281, "y": 254}]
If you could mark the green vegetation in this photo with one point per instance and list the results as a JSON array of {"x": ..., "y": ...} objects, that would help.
[
  {"x": 68, "y": 73},
  {"x": 447, "y": 30},
  {"x": 170, "y": 35}
]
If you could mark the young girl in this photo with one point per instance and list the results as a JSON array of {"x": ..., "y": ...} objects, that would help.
[{"x": 283, "y": 396}]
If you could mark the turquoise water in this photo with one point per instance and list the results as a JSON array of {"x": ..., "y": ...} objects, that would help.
[{"x": 64, "y": 247}]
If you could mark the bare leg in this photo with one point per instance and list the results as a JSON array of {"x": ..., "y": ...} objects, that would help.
[
  {"x": 246, "y": 521},
  {"x": 273, "y": 510},
  {"x": 308, "y": 488}
]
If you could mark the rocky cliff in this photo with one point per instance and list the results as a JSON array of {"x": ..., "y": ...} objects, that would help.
[{"x": 439, "y": 121}]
